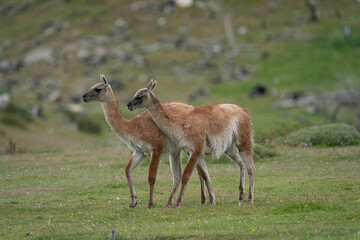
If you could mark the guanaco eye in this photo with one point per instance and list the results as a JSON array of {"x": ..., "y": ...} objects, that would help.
[
  {"x": 97, "y": 90},
  {"x": 139, "y": 97}
]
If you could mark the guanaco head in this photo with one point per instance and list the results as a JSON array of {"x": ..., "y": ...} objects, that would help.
[
  {"x": 141, "y": 98},
  {"x": 98, "y": 92}
]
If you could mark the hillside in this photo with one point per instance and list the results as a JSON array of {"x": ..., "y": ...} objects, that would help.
[{"x": 51, "y": 52}]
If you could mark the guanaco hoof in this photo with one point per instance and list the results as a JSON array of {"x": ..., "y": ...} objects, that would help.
[{"x": 132, "y": 206}]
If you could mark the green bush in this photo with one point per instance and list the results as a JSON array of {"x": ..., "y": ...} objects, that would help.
[
  {"x": 330, "y": 135},
  {"x": 261, "y": 152},
  {"x": 16, "y": 116},
  {"x": 84, "y": 123},
  {"x": 12, "y": 148}
]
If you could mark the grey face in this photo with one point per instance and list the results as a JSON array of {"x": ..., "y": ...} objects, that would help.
[
  {"x": 138, "y": 100},
  {"x": 97, "y": 92},
  {"x": 141, "y": 98}
]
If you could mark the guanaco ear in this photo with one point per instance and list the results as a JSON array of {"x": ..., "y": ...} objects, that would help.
[
  {"x": 151, "y": 85},
  {"x": 103, "y": 80}
]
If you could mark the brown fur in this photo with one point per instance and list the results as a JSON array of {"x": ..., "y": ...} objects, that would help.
[
  {"x": 141, "y": 128},
  {"x": 210, "y": 124}
]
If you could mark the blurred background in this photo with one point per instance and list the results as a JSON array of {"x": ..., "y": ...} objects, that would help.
[{"x": 291, "y": 63}]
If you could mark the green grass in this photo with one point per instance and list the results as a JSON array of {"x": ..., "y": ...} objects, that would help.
[
  {"x": 77, "y": 192},
  {"x": 83, "y": 193}
]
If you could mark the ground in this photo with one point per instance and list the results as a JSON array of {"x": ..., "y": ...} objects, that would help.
[{"x": 83, "y": 193}]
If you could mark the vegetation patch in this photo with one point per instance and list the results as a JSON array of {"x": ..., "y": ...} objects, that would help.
[
  {"x": 330, "y": 135},
  {"x": 261, "y": 152},
  {"x": 84, "y": 123},
  {"x": 309, "y": 206},
  {"x": 15, "y": 115},
  {"x": 13, "y": 148}
]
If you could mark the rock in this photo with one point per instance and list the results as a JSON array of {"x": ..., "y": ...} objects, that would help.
[
  {"x": 75, "y": 99},
  {"x": 184, "y": 3},
  {"x": 55, "y": 97},
  {"x": 22, "y": 7},
  {"x": 4, "y": 100},
  {"x": 242, "y": 30},
  {"x": 347, "y": 30},
  {"x": 258, "y": 91},
  {"x": 161, "y": 21},
  {"x": 10, "y": 65},
  {"x": 83, "y": 53},
  {"x": 6, "y": 45},
  {"x": 114, "y": 235},
  {"x": 6, "y": 8},
  {"x": 217, "y": 79},
  {"x": 201, "y": 92},
  {"x": 75, "y": 108},
  {"x": 40, "y": 54},
  {"x": 297, "y": 99},
  {"x": 96, "y": 60},
  {"x": 36, "y": 111},
  {"x": 121, "y": 25},
  {"x": 117, "y": 84}
]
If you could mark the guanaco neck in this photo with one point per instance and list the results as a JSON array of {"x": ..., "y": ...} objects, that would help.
[
  {"x": 113, "y": 115},
  {"x": 159, "y": 116}
]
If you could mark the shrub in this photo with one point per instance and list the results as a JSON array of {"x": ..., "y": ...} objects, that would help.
[
  {"x": 84, "y": 123},
  {"x": 12, "y": 148},
  {"x": 16, "y": 116},
  {"x": 330, "y": 135},
  {"x": 261, "y": 152}
]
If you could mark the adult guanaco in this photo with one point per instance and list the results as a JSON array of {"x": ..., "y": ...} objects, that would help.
[
  {"x": 142, "y": 136},
  {"x": 216, "y": 129}
]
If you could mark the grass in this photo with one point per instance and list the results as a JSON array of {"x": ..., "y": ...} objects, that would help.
[
  {"x": 60, "y": 189},
  {"x": 83, "y": 193}
]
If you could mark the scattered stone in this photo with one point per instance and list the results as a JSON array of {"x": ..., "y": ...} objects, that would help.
[
  {"x": 258, "y": 91},
  {"x": 161, "y": 21},
  {"x": 75, "y": 108},
  {"x": 5, "y": 46},
  {"x": 4, "y": 100},
  {"x": 238, "y": 73},
  {"x": 184, "y": 3},
  {"x": 347, "y": 30},
  {"x": 217, "y": 79},
  {"x": 36, "y": 111},
  {"x": 83, "y": 53},
  {"x": 144, "y": 5},
  {"x": 6, "y": 8},
  {"x": 75, "y": 99},
  {"x": 296, "y": 99},
  {"x": 201, "y": 92},
  {"x": 10, "y": 65},
  {"x": 96, "y": 60},
  {"x": 121, "y": 25},
  {"x": 242, "y": 30},
  {"x": 117, "y": 84},
  {"x": 22, "y": 7},
  {"x": 114, "y": 235},
  {"x": 55, "y": 97},
  {"x": 40, "y": 54},
  {"x": 203, "y": 65}
]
